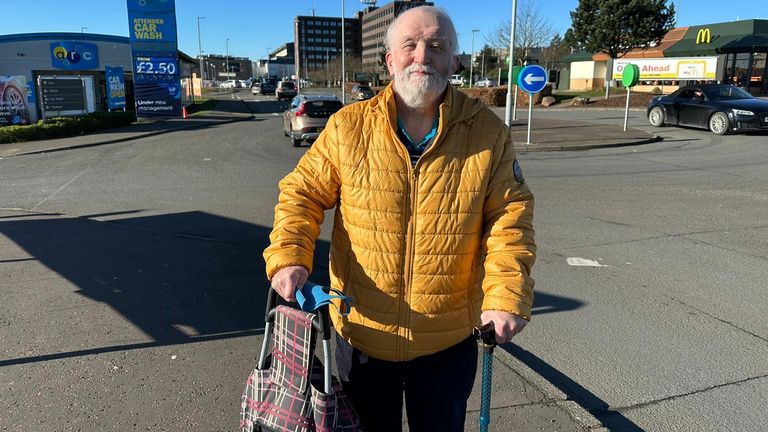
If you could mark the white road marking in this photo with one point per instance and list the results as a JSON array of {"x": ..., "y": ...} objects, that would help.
[{"x": 583, "y": 262}]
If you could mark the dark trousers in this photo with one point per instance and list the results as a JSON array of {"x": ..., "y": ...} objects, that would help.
[{"x": 436, "y": 388}]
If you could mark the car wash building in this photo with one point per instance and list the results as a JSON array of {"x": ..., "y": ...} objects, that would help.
[
  {"x": 48, "y": 74},
  {"x": 731, "y": 52}
]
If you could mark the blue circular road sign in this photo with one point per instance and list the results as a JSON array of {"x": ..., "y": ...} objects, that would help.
[{"x": 532, "y": 78}]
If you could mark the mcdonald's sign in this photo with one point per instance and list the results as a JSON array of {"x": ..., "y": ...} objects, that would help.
[{"x": 703, "y": 36}]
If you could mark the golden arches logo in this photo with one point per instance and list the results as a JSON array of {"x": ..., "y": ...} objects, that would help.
[
  {"x": 60, "y": 53},
  {"x": 703, "y": 36}
]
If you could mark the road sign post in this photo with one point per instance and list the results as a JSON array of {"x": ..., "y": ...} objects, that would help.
[
  {"x": 630, "y": 76},
  {"x": 532, "y": 79},
  {"x": 515, "y": 75}
]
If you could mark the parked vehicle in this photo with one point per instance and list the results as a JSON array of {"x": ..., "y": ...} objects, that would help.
[
  {"x": 486, "y": 82},
  {"x": 263, "y": 88},
  {"x": 285, "y": 90},
  {"x": 721, "y": 108},
  {"x": 362, "y": 92},
  {"x": 230, "y": 84},
  {"x": 307, "y": 116},
  {"x": 457, "y": 80}
]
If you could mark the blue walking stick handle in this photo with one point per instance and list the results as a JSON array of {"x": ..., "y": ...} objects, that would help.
[{"x": 486, "y": 337}]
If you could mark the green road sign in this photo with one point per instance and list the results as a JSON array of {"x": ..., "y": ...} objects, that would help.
[
  {"x": 516, "y": 73},
  {"x": 630, "y": 76}
]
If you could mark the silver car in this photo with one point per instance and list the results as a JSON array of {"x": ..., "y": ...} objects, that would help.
[{"x": 307, "y": 115}]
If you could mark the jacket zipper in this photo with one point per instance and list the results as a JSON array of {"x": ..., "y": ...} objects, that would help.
[
  {"x": 410, "y": 240},
  {"x": 404, "y": 319}
]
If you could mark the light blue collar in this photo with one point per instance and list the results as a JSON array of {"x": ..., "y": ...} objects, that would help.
[{"x": 421, "y": 145}]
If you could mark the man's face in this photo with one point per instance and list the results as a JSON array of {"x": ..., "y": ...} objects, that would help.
[{"x": 421, "y": 58}]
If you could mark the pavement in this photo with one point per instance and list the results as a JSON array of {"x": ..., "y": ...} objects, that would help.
[{"x": 522, "y": 398}]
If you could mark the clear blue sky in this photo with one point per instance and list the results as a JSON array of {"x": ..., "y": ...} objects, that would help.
[{"x": 256, "y": 27}]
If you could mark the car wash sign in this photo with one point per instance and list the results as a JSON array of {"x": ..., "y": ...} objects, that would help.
[
  {"x": 71, "y": 55},
  {"x": 157, "y": 87}
]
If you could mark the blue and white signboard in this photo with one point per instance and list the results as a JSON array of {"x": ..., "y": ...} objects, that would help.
[
  {"x": 157, "y": 87},
  {"x": 71, "y": 55},
  {"x": 532, "y": 79},
  {"x": 115, "y": 87}
]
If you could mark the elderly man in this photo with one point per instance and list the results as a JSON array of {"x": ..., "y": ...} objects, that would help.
[{"x": 432, "y": 233}]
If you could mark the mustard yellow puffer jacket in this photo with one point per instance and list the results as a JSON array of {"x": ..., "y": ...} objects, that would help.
[{"x": 423, "y": 250}]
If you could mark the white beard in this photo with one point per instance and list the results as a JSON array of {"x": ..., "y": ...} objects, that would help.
[{"x": 418, "y": 92}]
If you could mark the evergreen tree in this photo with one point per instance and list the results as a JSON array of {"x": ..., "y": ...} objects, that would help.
[{"x": 616, "y": 27}]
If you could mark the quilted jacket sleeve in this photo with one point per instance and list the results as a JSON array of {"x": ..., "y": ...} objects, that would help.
[
  {"x": 508, "y": 236},
  {"x": 310, "y": 189}
]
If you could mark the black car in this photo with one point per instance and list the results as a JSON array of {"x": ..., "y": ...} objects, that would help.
[
  {"x": 721, "y": 108},
  {"x": 263, "y": 87}
]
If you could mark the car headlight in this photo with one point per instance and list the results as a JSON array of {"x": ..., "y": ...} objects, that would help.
[{"x": 743, "y": 112}]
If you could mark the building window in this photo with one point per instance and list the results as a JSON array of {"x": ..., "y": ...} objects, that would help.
[{"x": 758, "y": 72}]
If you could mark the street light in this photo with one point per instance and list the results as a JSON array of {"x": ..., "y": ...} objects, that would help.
[
  {"x": 83, "y": 29},
  {"x": 509, "y": 116},
  {"x": 472, "y": 59},
  {"x": 266, "y": 63},
  {"x": 227, "y": 58},
  {"x": 200, "y": 50},
  {"x": 343, "y": 58}
]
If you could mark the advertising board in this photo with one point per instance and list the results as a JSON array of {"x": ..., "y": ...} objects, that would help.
[{"x": 673, "y": 68}]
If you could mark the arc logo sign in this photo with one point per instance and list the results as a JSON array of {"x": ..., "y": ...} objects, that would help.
[
  {"x": 703, "y": 36},
  {"x": 74, "y": 55}
]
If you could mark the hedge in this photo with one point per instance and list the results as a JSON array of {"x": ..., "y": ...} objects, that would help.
[
  {"x": 60, "y": 127},
  {"x": 497, "y": 96}
]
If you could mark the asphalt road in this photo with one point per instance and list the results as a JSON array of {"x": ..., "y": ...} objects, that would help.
[{"x": 665, "y": 331}]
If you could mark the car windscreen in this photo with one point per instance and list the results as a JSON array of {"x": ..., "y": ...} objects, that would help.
[
  {"x": 321, "y": 108},
  {"x": 726, "y": 93},
  {"x": 363, "y": 88},
  {"x": 288, "y": 85}
]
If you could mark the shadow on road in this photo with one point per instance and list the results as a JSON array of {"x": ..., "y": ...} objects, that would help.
[
  {"x": 544, "y": 303},
  {"x": 179, "y": 278},
  {"x": 613, "y": 420}
]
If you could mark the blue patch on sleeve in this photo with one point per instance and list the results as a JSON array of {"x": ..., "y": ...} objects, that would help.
[{"x": 517, "y": 171}]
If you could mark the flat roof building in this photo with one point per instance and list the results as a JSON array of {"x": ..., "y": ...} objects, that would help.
[
  {"x": 25, "y": 58},
  {"x": 729, "y": 52},
  {"x": 317, "y": 44},
  {"x": 375, "y": 21}
]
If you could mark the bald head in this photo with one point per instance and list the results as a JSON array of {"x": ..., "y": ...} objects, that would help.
[{"x": 424, "y": 12}]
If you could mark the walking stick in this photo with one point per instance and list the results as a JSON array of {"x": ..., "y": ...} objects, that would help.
[{"x": 486, "y": 337}]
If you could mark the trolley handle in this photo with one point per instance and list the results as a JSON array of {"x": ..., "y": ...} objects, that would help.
[{"x": 323, "y": 325}]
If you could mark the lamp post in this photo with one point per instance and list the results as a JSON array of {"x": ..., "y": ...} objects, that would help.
[
  {"x": 343, "y": 58},
  {"x": 227, "y": 60},
  {"x": 266, "y": 64},
  {"x": 472, "y": 60},
  {"x": 482, "y": 65},
  {"x": 507, "y": 112},
  {"x": 83, "y": 29},
  {"x": 200, "y": 50}
]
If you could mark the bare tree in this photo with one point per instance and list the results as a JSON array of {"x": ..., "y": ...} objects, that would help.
[{"x": 532, "y": 30}]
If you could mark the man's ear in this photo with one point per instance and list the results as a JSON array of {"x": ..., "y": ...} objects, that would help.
[{"x": 390, "y": 66}]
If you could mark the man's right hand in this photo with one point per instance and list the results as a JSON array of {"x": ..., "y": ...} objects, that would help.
[{"x": 287, "y": 279}]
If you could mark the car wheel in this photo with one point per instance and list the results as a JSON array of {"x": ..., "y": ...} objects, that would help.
[
  {"x": 719, "y": 124},
  {"x": 14, "y": 100},
  {"x": 656, "y": 117}
]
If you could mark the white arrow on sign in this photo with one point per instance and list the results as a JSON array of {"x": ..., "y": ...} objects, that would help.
[{"x": 530, "y": 79}]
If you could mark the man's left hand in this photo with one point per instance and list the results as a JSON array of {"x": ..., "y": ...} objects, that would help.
[{"x": 506, "y": 324}]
